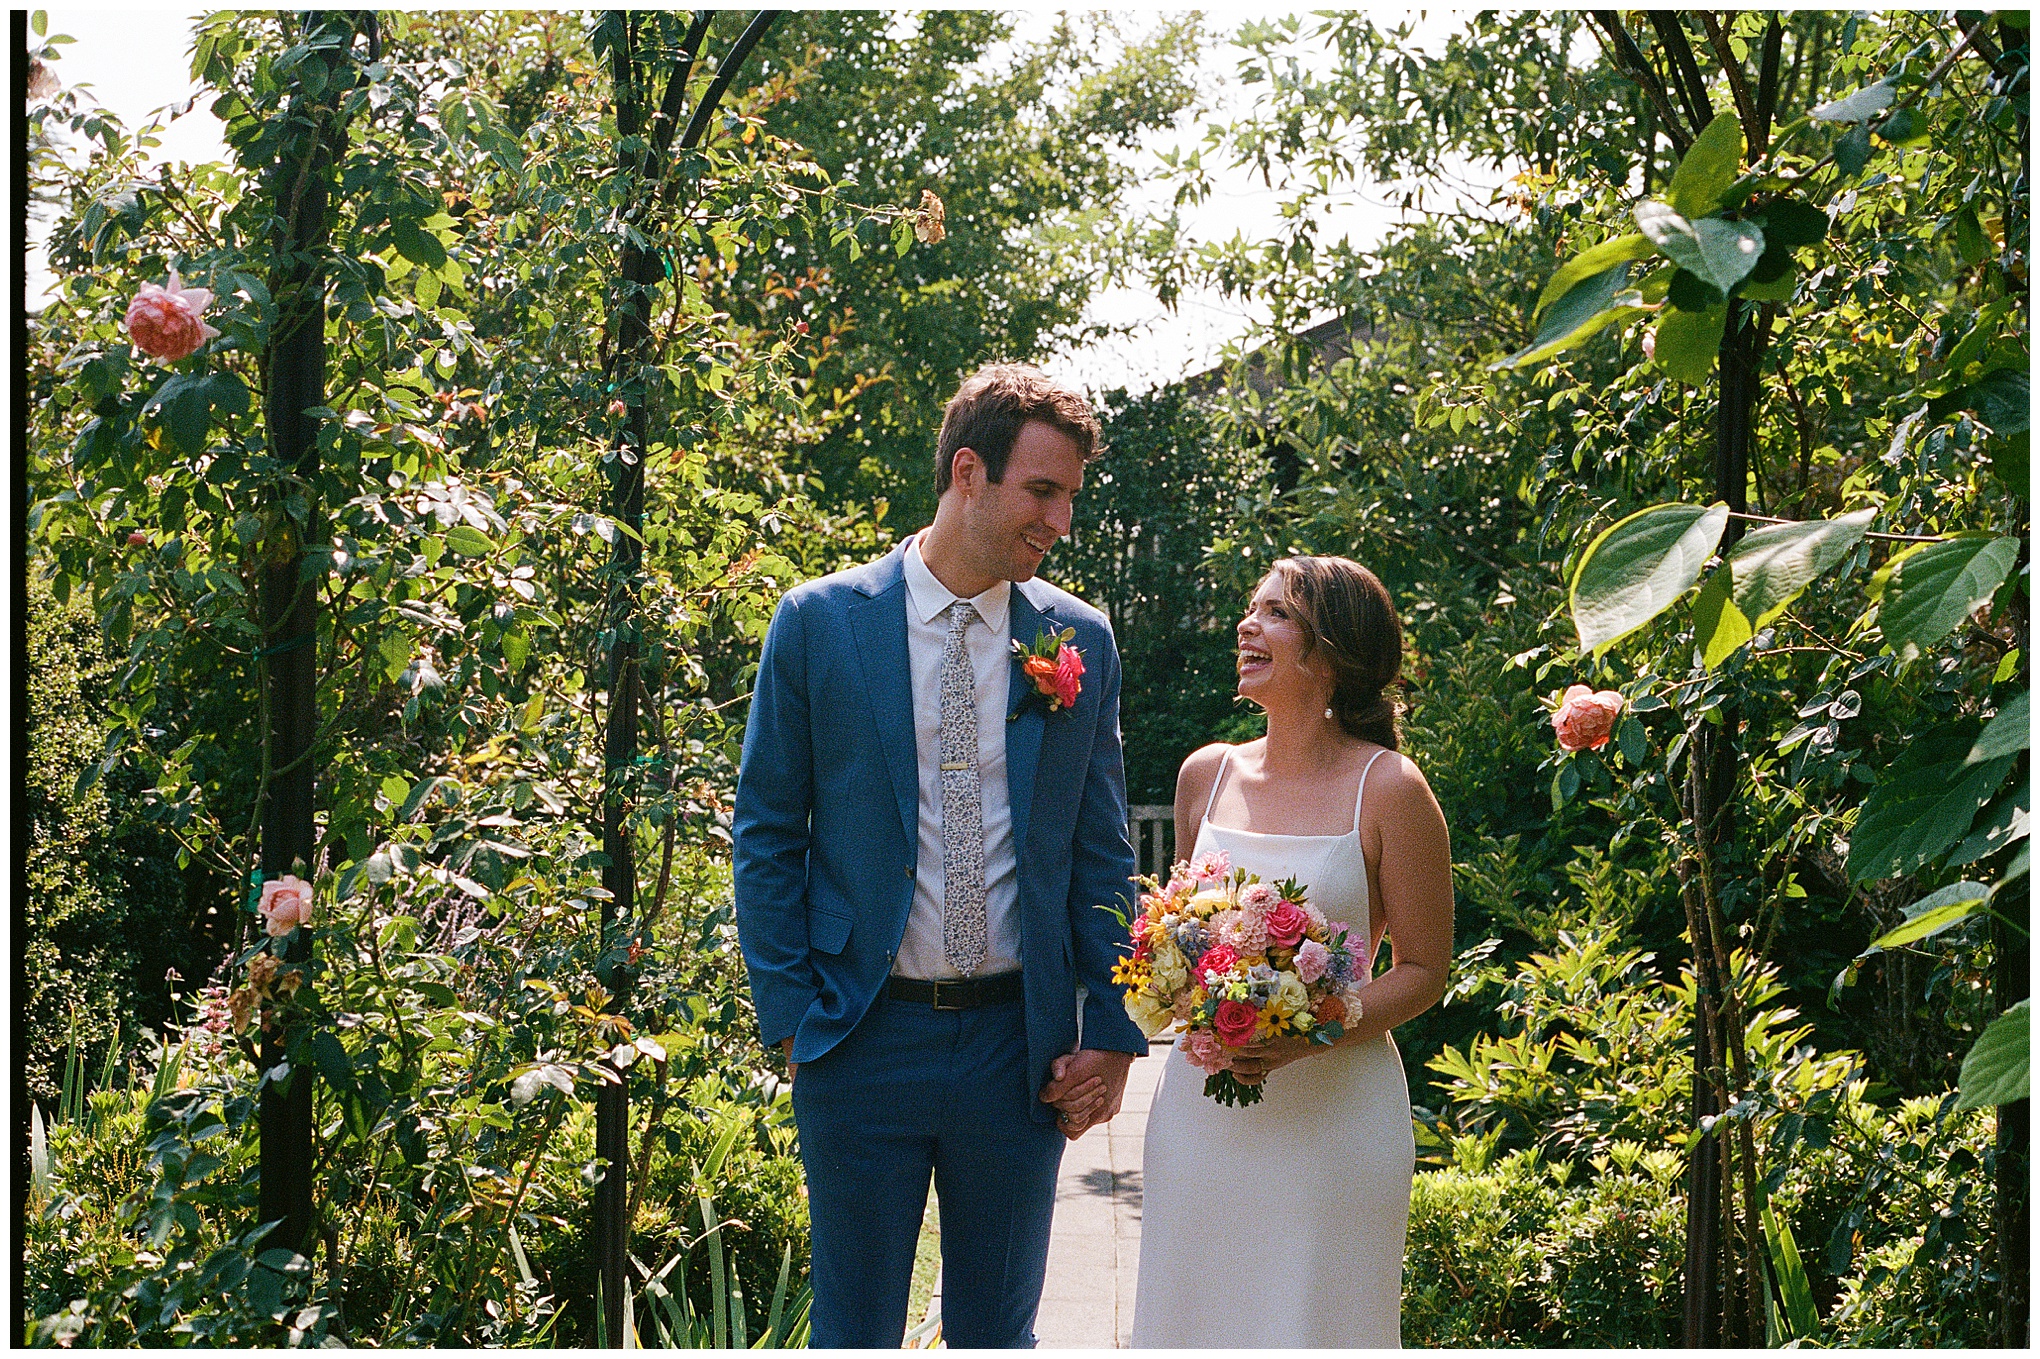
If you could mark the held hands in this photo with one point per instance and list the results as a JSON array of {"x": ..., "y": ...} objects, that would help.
[{"x": 1085, "y": 1087}]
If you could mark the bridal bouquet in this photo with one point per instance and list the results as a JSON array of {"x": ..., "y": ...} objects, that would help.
[{"x": 1227, "y": 960}]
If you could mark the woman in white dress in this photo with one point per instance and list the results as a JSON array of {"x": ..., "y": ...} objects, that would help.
[{"x": 1281, "y": 1224}]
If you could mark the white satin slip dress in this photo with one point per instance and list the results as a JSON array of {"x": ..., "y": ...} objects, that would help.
[{"x": 1281, "y": 1225}]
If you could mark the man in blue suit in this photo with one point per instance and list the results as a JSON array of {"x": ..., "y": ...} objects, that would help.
[{"x": 925, "y": 833}]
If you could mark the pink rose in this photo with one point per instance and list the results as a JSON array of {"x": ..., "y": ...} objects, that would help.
[
  {"x": 1219, "y": 958},
  {"x": 1650, "y": 343},
  {"x": 1234, "y": 1023},
  {"x": 1213, "y": 863},
  {"x": 1585, "y": 719},
  {"x": 1286, "y": 923},
  {"x": 1069, "y": 673},
  {"x": 1202, "y": 1048},
  {"x": 1311, "y": 961},
  {"x": 286, "y": 904},
  {"x": 165, "y": 323},
  {"x": 616, "y": 408}
]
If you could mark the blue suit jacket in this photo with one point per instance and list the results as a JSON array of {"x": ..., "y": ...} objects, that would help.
[{"x": 827, "y": 818}]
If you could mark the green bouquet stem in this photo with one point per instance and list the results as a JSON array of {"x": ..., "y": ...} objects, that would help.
[{"x": 1230, "y": 1090}]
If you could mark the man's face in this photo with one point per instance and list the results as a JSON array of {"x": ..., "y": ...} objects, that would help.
[{"x": 1011, "y": 524}]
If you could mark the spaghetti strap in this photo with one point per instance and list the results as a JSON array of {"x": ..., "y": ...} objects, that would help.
[
  {"x": 1363, "y": 788},
  {"x": 1224, "y": 763}
]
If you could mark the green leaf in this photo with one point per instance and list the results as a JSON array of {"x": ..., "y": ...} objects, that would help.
[
  {"x": 469, "y": 541},
  {"x": 1858, "y": 107},
  {"x": 1998, "y": 1069},
  {"x": 1773, "y": 564},
  {"x": 1926, "y": 591},
  {"x": 1800, "y": 1313},
  {"x": 395, "y": 790},
  {"x": 1906, "y": 127},
  {"x": 1779, "y": 289},
  {"x": 332, "y": 1061},
  {"x": 1936, "y": 912},
  {"x": 1970, "y": 238},
  {"x": 1638, "y": 567},
  {"x": 1852, "y": 150},
  {"x": 1586, "y": 309},
  {"x": 1792, "y": 223},
  {"x": 1718, "y": 625},
  {"x": 1923, "y": 804},
  {"x": 1689, "y": 341},
  {"x": 1594, "y": 260},
  {"x": 2008, "y": 732},
  {"x": 1721, "y": 252},
  {"x": 1708, "y": 167},
  {"x": 416, "y": 244},
  {"x": 186, "y": 413},
  {"x": 2002, "y": 398},
  {"x": 534, "y": 709},
  {"x": 226, "y": 392}
]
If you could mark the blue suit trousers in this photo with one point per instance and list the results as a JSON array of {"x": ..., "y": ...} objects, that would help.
[{"x": 911, "y": 1091}]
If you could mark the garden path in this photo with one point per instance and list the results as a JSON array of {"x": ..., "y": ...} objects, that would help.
[{"x": 1087, "y": 1302}]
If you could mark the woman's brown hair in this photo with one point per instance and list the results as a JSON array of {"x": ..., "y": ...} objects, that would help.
[{"x": 1345, "y": 613}]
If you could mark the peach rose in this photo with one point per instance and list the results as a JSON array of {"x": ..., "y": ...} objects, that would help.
[
  {"x": 286, "y": 904},
  {"x": 1202, "y": 1049},
  {"x": 165, "y": 323},
  {"x": 1586, "y": 719}
]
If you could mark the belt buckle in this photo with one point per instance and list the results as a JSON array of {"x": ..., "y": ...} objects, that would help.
[{"x": 935, "y": 1000}]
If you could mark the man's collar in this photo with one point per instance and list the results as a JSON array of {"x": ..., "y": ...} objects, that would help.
[{"x": 931, "y": 596}]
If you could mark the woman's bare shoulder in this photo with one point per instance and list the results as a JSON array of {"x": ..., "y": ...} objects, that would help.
[{"x": 1396, "y": 786}]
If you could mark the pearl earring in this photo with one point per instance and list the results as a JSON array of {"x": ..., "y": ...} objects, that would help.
[{"x": 1328, "y": 714}]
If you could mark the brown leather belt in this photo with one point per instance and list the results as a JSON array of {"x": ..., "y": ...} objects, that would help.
[{"x": 957, "y": 993}]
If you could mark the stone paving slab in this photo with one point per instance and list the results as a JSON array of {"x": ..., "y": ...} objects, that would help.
[{"x": 1094, "y": 1252}]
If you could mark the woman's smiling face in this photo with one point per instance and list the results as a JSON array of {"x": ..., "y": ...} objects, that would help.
[{"x": 1274, "y": 655}]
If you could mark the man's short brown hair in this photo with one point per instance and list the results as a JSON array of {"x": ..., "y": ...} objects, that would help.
[{"x": 988, "y": 410}]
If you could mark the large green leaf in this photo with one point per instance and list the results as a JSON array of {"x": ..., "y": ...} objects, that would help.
[
  {"x": 1688, "y": 341},
  {"x": 1926, "y": 591},
  {"x": 1855, "y": 108},
  {"x": 1718, "y": 625},
  {"x": 1595, "y": 259},
  {"x": 1773, "y": 564},
  {"x": 2007, "y": 733},
  {"x": 1935, "y": 912},
  {"x": 1998, "y": 1070},
  {"x": 1708, "y": 168},
  {"x": 1638, "y": 567},
  {"x": 1587, "y": 308},
  {"x": 2002, "y": 398},
  {"x": 1720, "y": 252},
  {"x": 1923, "y": 804},
  {"x": 1792, "y": 222}
]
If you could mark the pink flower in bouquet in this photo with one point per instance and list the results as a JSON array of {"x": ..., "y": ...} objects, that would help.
[
  {"x": 165, "y": 323},
  {"x": 1219, "y": 958},
  {"x": 1259, "y": 898},
  {"x": 1068, "y": 677},
  {"x": 1210, "y": 865},
  {"x": 1286, "y": 923},
  {"x": 1202, "y": 1048},
  {"x": 1311, "y": 961},
  {"x": 1246, "y": 933},
  {"x": 1585, "y": 719},
  {"x": 1318, "y": 924},
  {"x": 1178, "y": 886},
  {"x": 1234, "y": 1023},
  {"x": 286, "y": 904}
]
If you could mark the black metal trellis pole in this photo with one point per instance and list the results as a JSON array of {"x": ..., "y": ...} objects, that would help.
[{"x": 640, "y": 271}]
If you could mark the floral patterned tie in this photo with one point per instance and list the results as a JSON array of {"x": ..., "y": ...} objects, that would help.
[{"x": 963, "y": 816}]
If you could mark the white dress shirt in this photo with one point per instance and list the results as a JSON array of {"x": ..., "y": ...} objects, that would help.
[{"x": 991, "y": 657}]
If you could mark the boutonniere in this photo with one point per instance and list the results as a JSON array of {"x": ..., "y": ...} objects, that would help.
[{"x": 1055, "y": 667}]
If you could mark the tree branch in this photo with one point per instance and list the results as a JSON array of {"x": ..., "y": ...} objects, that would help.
[
  {"x": 667, "y": 121},
  {"x": 1672, "y": 36},
  {"x": 1628, "y": 59},
  {"x": 725, "y": 72},
  {"x": 1767, "y": 87},
  {"x": 1745, "y": 107}
]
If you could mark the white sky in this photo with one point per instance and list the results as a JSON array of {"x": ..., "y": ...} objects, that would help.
[{"x": 137, "y": 61}]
